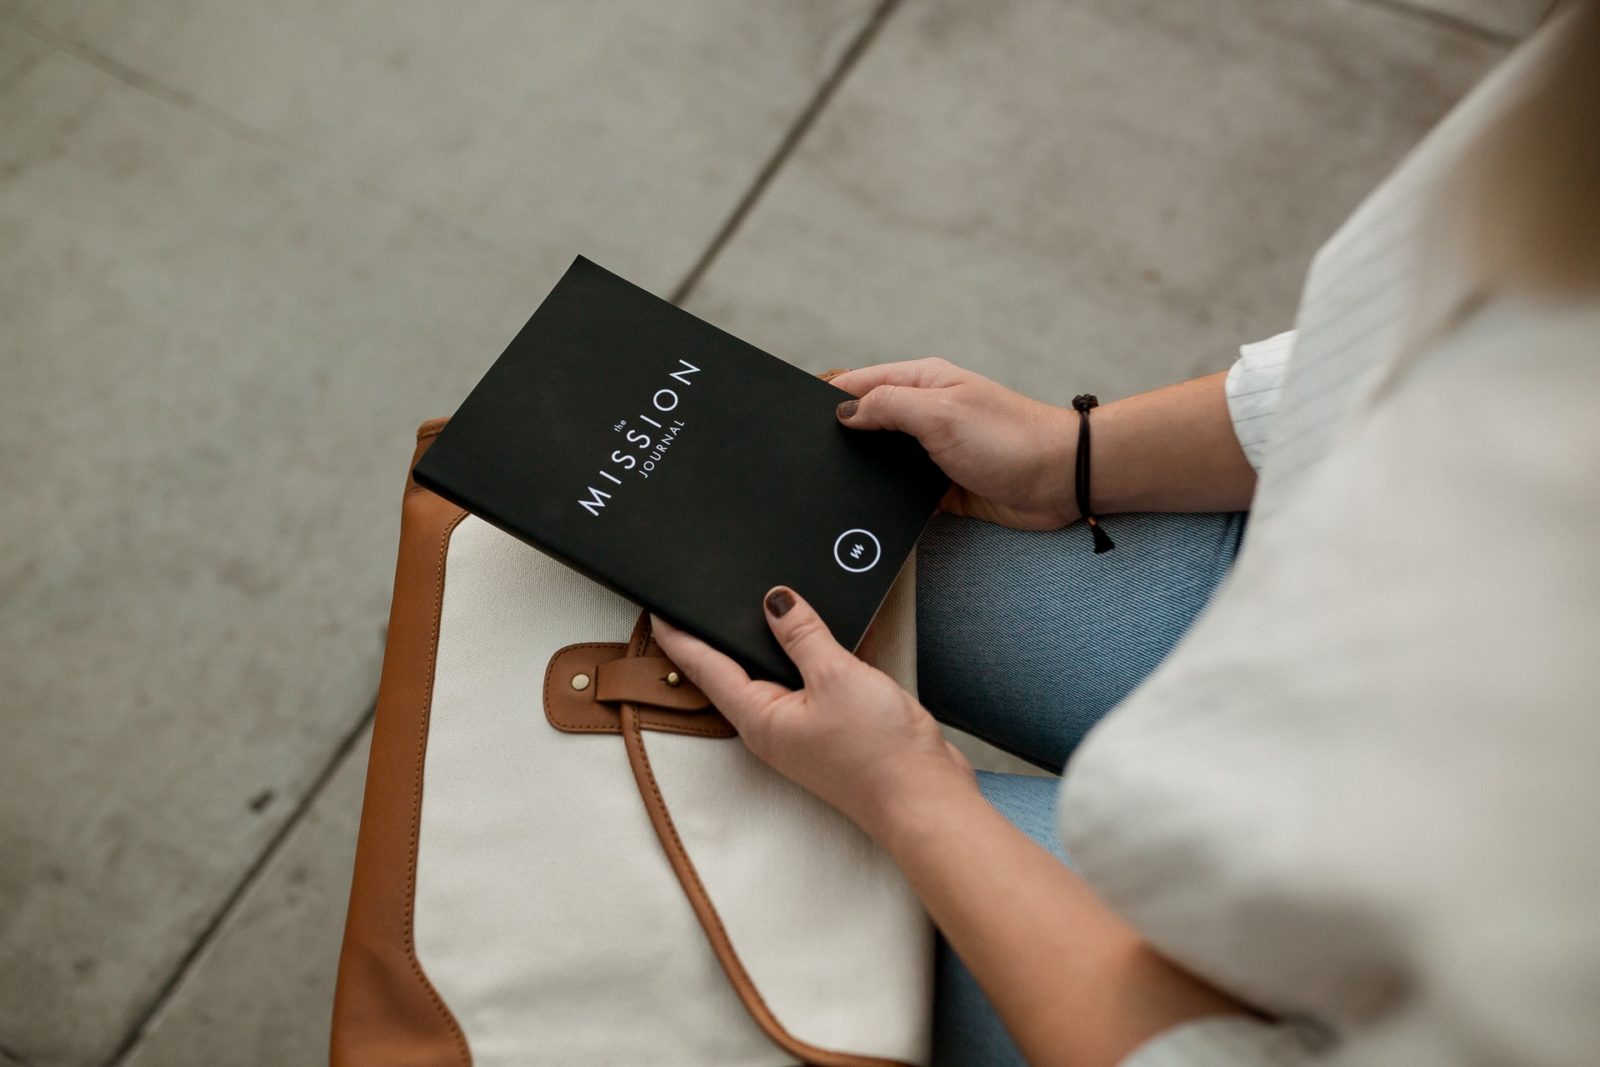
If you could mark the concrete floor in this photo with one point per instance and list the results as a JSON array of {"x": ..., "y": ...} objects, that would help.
[{"x": 246, "y": 247}]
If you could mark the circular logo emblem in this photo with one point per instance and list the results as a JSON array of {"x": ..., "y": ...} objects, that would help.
[{"x": 857, "y": 550}]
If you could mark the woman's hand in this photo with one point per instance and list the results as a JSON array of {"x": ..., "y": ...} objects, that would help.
[
  {"x": 852, "y": 735},
  {"x": 1073, "y": 982},
  {"x": 1010, "y": 456}
]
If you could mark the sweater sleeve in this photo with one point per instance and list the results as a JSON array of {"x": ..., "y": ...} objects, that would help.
[
  {"x": 1253, "y": 384},
  {"x": 1230, "y": 1041}
]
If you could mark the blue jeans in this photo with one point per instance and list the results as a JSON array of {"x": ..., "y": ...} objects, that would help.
[{"x": 1026, "y": 639}]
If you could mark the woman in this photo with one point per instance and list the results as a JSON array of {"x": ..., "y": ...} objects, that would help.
[{"x": 1350, "y": 815}]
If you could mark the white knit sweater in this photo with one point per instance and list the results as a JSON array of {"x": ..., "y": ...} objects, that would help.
[{"x": 1363, "y": 793}]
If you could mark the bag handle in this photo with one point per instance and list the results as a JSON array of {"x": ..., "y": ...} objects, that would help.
[{"x": 633, "y": 723}]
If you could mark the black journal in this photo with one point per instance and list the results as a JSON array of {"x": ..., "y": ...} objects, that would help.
[{"x": 683, "y": 468}]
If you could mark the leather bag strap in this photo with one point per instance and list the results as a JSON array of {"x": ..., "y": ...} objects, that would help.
[
  {"x": 632, "y": 728},
  {"x": 652, "y": 680}
]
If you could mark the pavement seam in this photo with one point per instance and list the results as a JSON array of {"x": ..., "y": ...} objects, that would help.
[
  {"x": 136, "y": 1033},
  {"x": 786, "y": 147},
  {"x": 306, "y": 162},
  {"x": 1442, "y": 20},
  {"x": 138, "y": 80}
]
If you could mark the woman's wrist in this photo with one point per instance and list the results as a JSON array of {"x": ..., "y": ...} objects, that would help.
[
  {"x": 1171, "y": 449},
  {"x": 1057, "y": 452},
  {"x": 913, "y": 804}
]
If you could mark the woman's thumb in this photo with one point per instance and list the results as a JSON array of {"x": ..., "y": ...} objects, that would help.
[
  {"x": 801, "y": 631},
  {"x": 907, "y": 408}
]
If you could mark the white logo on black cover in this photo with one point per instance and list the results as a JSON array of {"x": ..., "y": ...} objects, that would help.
[{"x": 857, "y": 550}]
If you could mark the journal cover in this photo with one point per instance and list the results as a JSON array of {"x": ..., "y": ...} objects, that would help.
[{"x": 683, "y": 468}]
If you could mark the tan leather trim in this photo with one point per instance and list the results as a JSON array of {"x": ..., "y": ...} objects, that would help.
[
  {"x": 576, "y": 711},
  {"x": 642, "y": 643},
  {"x": 385, "y": 1011},
  {"x": 643, "y": 680}
]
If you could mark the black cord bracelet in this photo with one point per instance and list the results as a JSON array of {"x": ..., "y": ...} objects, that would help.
[{"x": 1082, "y": 404}]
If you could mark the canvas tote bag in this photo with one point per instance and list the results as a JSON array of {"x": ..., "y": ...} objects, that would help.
[{"x": 566, "y": 858}]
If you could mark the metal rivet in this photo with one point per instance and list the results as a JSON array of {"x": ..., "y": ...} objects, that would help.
[
  {"x": 580, "y": 681},
  {"x": 674, "y": 678}
]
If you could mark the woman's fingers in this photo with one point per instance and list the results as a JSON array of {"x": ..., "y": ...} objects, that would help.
[
  {"x": 740, "y": 698},
  {"x": 917, "y": 372},
  {"x": 906, "y": 396},
  {"x": 912, "y": 409},
  {"x": 802, "y": 633}
]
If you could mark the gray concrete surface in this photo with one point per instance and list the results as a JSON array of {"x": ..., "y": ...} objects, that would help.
[
  {"x": 1142, "y": 194},
  {"x": 243, "y": 257},
  {"x": 259, "y": 992},
  {"x": 244, "y": 248}
]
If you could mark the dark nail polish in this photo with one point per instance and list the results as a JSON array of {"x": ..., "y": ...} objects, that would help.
[
  {"x": 779, "y": 601},
  {"x": 848, "y": 408}
]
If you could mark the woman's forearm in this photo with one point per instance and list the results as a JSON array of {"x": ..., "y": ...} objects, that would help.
[
  {"x": 1073, "y": 982},
  {"x": 1171, "y": 449}
]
